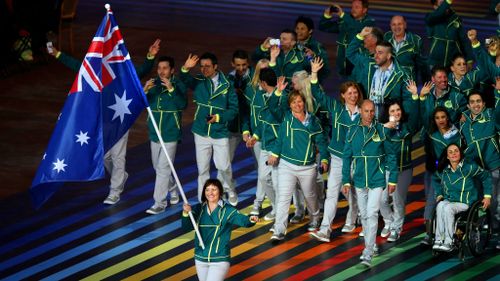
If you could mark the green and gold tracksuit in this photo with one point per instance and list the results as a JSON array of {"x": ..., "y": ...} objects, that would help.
[
  {"x": 447, "y": 35},
  {"x": 167, "y": 107},
  {"x": 221, "y": 101},
  {"x": 410, "y": 55},
  {"x": 346, "y": 27},
  {"x": 481, "y": 134},
  {"x": 215, "y": 230}
]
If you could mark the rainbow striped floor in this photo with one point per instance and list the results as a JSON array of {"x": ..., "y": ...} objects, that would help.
[{"x": 74, "y": 236}]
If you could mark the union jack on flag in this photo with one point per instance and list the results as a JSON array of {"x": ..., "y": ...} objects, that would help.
[{"x": 105, "y": 100}]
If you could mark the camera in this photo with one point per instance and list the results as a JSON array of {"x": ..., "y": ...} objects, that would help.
[
  {"x": 487, "y": 41},
  {"x": 334, "y": 9},
  {"x": 50, "y": 48},
  {"x": 274, "y": 42}
]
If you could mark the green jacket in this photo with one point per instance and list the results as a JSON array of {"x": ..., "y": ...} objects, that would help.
[
  {"x": 269, "y": 118},
  {"x": 346, "y": 27},
  {"x": 369, "y": 151},
  {"x": 298, "y": 143},
  {"x": 458, "y": 185},
  {"x": 239, "y": 85},
  {"x": 402, "y": 137},
  {"x": 439, "y": 142},
  {"x": 410, "y": 55},
  {"x": 364, "y": 70},
  {"x": 481, "y": 135},
  {"x": 167, "y": 107},
  {"x": 471, "y": 82},
  {"x": 221, "y": 101},
  {"x": 447, "y": 35},
  {"x": 286, "y": 64},
  {"x": 341, "y": 120},
  {"x": 452, "y": 100},
  {"x": 254, "y": 103},
  {"x": 75, "y": 64},
  {"x": 215, "y": 230}
]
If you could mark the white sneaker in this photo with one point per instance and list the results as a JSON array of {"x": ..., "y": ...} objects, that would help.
[
  {"x": 255, "y": 210},
  {"x": 278, "y": 236},
  {"x": 394, "y": 236},
  {"x": 233, "y": 198},
  {"x": 111, "y": 199},
  {"x": 385, "y": 232},
  {"x": 270, "y": 216},
  {"x": 155, "y": 210},
  {"x": 296, "y": 219},
  {"x": 174, "y": 197},
  {"x": 437, "y": 245},
  {"x": 367, "y": 263},
  {"x": 320, "y": 236},
  {"x": 348, "y": 228},
  {"x": 446, "y": 247}
]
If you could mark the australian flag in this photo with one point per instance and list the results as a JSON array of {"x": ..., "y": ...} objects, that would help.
[{"x": 105, "y": 100}]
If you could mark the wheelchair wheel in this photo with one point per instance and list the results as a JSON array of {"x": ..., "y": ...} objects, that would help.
[{"x": 478, "y": 229}]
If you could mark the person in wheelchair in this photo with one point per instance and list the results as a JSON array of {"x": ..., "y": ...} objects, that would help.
[{"x": 456, "y": 192}]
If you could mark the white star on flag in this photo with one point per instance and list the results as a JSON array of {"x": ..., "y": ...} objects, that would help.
[
  {"x": 82, "y": 138},
  {"x": 121, "y": 106},
  {"x": 59, "y": 165}
]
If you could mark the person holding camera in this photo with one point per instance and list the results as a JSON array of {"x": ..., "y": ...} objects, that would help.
[
  {"x": 167, "y": 99},
  {"x": 216, "y": 105},
  {"x": 304, "y": 27},
  {"x": 347, "y": 26},
  {"x": 284, "y": 56}
]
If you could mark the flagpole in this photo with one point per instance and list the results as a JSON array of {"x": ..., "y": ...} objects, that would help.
[{"x": 150, "y": 113}]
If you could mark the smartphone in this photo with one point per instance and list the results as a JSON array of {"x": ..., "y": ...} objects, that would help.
[
  {"x": 50, "y": 48},
  {"x": 333, "y": 9}
]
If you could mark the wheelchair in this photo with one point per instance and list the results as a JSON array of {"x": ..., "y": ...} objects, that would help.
[{"x": 473, "y": 230}]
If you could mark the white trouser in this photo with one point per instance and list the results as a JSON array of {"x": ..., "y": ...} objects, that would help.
[
  {"x": 234, "y": 140},
  {"x": 220, "y": 148},
  {"x": 268, "y": 178},
  {"x": 369, "y": 205},
  {"x": 332, "y": 197},
  {"x": 260, "y": 192},
  {"x": 445, "y": 219},
  {"x": 164, "y": 181},
  {"x": 299, "y": 200},
  {"x": 394, "y": 217},
  {"x": 211, "y": 271},
  {"x": 114, "y": 162},
  {"x": 288, "y": 176},
  {"x": 430, "y": 197}
]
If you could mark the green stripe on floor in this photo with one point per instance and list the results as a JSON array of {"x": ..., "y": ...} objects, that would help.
[{"x": 392, "y": 252}]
